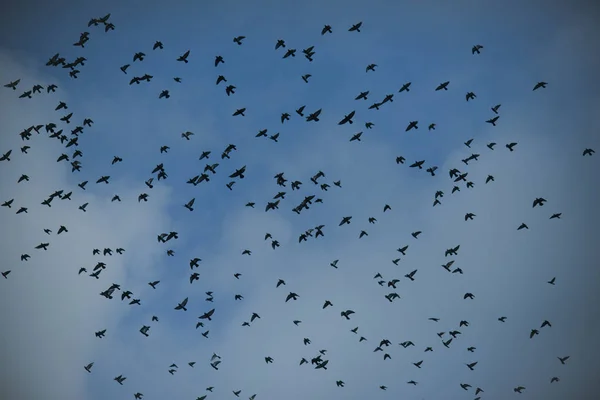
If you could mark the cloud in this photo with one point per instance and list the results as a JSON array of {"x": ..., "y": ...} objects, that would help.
[{"x": 50, "y": 312}]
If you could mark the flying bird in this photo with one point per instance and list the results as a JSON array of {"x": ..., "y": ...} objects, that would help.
[
  {"x": 181, "y": 306},
  {"x": 355, "y": 27}
]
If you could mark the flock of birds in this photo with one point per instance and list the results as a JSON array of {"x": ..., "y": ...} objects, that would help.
[{"x": 73, "y": 155}]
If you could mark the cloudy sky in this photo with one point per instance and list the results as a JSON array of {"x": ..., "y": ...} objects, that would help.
[{"x": 49, "y": 312}]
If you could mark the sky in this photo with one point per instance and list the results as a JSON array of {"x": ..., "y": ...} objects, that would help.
[{"x": 49, "y": 312}]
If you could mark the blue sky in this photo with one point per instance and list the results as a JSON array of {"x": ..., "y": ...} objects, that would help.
[{"x": 50, "y": 313}]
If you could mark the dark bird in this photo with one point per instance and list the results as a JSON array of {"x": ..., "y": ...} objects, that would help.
[
  {"x": 13, "y": 85},
  {"x": 6, "y": 156},
  {"x": 371, "y": 67},
  {"x": 346, "y": 314},
  {"x": 405, "y": 87},
  {"x": 540, "y": 201},
  {"x": 189, "y": 204},
  {"x": 472, "y": 365},
  {"x": 362, "y": 95},
  {"x": 411, "y": 125},
  {"x": 432, "y": 170},
  {"x": 417, "y": 164},
  {"x": 347, "y": 118},
  {"x": 314, "y": 116},
  {"x": 540, "y": 85},
  {"x": 345, "y": 220},
  {"x": 355, "y": 27},
  {"x": 588, "y": 152},
  {"x": 493, "y": 120},
  {"x": 356, "y": 137},
  {"x": 563, "y": 359},
  {"x": 184, "y": 57},
  {"x": 546, "y": 323},
  {"x": 230, "y": 90},
  {"x": 238, "y": 39},
  {"x": 511, "y": 146},
  {"x": 290, "y": 52},
  {"x": 181, "y": 306},
  {"x": 533, "y": 333},
  {"x": 138, "y": 56},
  {"x": 476, "y": 49},
  {"x": 443, "y": 86},
  {"x": 88, "y": 367},
  {"x": 207, "y": 315},
  {"x": 239, "y": 173}
]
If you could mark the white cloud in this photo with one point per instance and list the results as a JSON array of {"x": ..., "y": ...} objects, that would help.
[{"x": 50, "y": 313}]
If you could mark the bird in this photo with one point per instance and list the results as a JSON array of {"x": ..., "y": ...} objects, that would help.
[
  {"x": 13, "y": 85},
  {"x": 355, "y": 27},
  {"x": 346, "y": 314},
  {"x": 588, "y": 152},
  {"x": 181, "y": 306},
  {"x": 442, "y": 86},
  {"x": 563, "y": 359},
  {"x": 405, "y": 87},
  {"x": 184, "y": 57}
]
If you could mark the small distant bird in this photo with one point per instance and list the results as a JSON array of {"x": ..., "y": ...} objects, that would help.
[
  {"x": 563, "y": 359},
  {"x": 588, "y": 152},
  {"x": 355, "y": 27}
]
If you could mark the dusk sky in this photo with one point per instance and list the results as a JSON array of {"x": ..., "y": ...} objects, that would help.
[{"x": 50, "y": 312}]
